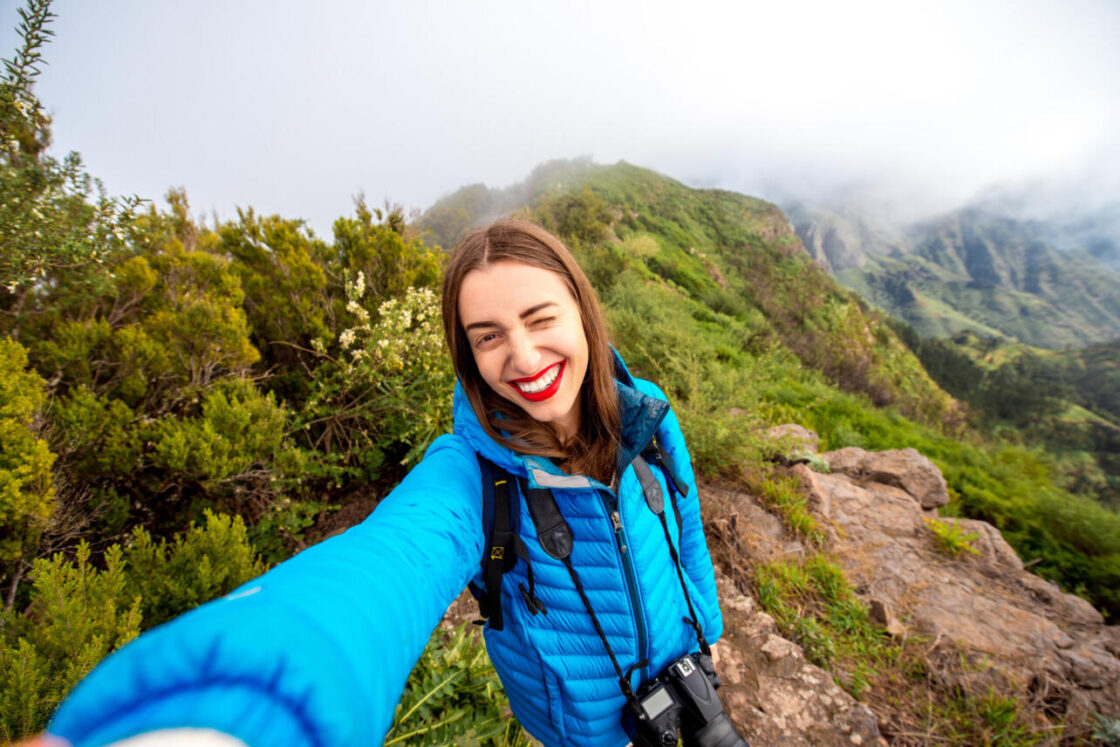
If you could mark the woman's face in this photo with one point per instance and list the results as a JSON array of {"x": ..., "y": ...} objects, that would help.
[{"x": 526, "y": 334}]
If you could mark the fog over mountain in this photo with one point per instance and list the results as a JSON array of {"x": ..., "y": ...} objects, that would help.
[{"x": 295, "y": 108}]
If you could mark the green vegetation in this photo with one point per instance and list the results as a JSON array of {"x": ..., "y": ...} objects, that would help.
[
  {"x": 951, "y": 539},
  {"x": 77, "y": 613},
  {"x": 785, "y": 495},
  {"x": 1065, "y": 402},
  {"x": 454, "y": 697},
  {"x": 813, "y": 604},
  {"x": 1107, "y": 730},
  {"x": 974, "y": 270}
]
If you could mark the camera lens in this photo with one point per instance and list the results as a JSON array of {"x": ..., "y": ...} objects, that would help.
[{"x": 719, "y": 732}]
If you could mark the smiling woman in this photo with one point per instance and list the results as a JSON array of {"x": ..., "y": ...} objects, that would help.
[{"x": 601, "y": 515}]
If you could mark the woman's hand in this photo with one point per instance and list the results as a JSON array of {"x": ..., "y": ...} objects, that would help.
[{"x": 44, "y": 740}]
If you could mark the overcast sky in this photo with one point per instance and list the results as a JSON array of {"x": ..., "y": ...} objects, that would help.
[{"x": 294, "y": 107}]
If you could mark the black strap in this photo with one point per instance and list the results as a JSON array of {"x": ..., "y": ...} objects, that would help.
[
  {"x": 655, "y": 453},
  {"x": 623, "y": 680},
  {"x": 556, "y": 539},
  {"x": 500, "y": 513},
  {"x": 552, "y": 529}
]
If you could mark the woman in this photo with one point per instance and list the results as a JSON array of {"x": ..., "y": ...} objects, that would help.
[{"x": 317, "y": 650}]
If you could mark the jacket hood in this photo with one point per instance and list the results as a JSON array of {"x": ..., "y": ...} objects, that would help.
[{"x": 639, "y": 413}]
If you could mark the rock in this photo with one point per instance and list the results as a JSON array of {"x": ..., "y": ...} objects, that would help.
[
  {"x": 902, "y": 468},
  {"x": 819, "y": 501},
  {"x": 772, "y": 694},
  {"x": 880, "y": 614}
]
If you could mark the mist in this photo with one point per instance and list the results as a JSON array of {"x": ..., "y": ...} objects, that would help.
[{"x": 295, "y": 109}]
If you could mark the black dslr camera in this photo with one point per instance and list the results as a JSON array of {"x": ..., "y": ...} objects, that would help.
[{"x": 682, "y": 697}]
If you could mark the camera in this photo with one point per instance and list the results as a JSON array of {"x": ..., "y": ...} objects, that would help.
[{"x": 682, "y": 697}]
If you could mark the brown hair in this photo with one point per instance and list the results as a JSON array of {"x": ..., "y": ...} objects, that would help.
[{"x": 596, "y": 445}]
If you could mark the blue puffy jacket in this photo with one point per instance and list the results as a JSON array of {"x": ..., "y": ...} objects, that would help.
[{"x": 317, "y": 650}]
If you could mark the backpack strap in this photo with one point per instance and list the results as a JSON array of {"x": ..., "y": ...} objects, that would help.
[{"x": 500, "y": 520}]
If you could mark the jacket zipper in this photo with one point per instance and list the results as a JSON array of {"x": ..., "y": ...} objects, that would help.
[{"x": 611, "y": 503}]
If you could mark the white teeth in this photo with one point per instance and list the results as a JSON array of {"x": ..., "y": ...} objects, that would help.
[{"x": 542, "y": 383}]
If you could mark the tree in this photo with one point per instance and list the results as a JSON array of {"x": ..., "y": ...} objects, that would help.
[{"x": 50, "y": 218}]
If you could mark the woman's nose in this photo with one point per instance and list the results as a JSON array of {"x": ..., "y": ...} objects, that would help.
[{"x": 524, "y": 354}]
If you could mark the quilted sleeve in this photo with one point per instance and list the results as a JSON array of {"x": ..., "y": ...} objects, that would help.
[
  {"x": 317, "y": 650},
  {"x": 694, "y": 547}
]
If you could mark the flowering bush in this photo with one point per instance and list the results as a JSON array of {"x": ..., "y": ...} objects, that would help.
[{"x": 387, "y": 391}]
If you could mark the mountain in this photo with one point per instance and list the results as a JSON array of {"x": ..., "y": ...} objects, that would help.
[
  {"x": 729, "y": 259},
  {"x": 975, "y": 269}
]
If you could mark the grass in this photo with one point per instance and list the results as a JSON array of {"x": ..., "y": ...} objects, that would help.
[
  {"x": 783, "y": 494},
  {"x": 813, "y": 604},
  {"x": 951, "y": 539}
]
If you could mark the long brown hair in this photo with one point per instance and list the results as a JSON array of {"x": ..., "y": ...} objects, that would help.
[{"x": 595, "y": 446}]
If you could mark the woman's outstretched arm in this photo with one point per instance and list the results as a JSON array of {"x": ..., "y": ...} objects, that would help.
[{"x": 317, "y": 650}]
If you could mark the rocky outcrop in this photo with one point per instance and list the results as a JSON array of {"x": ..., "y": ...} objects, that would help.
[
  {"x": 1014, "y": 631},
  {"x": 1030, "y": 633}
]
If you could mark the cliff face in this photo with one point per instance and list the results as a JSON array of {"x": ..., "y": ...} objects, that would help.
[{"x": 982, "y": 624}]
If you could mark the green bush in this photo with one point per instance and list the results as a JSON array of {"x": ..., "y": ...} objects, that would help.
[
  {"x": 78, "y": 614},
  {"x": 26, "y": 485},
  {"x": 200, "y": 564}
]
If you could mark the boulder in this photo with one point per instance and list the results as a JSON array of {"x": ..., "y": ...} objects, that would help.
[
  {"x": 795, "y": 437},
  {"x": 902, "y": 468}
]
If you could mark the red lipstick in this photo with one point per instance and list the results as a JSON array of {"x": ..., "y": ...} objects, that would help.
[{"x": 545, "y": 393}]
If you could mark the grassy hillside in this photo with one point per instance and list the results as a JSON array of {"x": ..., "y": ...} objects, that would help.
[
  {"x": 1064, "y": 401},
  {"x": 731, "y": 260}
]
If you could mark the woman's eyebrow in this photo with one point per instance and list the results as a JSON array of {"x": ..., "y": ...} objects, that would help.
[
  {"x": 530, "y": 311},
  {"x": 523, "y": 315}
]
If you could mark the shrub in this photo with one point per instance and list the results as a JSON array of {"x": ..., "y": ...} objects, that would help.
[
  {"x": 388, "y": 393},
  {"x": 951, "y": 539},
  {"x": 454, "y": 696},
  {"x": 26, "y": 486},
  {"x": 79, "y": 613}
]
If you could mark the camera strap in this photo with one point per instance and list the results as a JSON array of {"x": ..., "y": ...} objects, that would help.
[
  {"x": 655, "y": 499},
  {"x": 556, "y": 540}
]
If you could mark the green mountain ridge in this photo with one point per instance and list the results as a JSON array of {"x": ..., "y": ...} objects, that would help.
[
  {"x": 712, "y": 294},
  {"x": 971, "y": 269}
]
